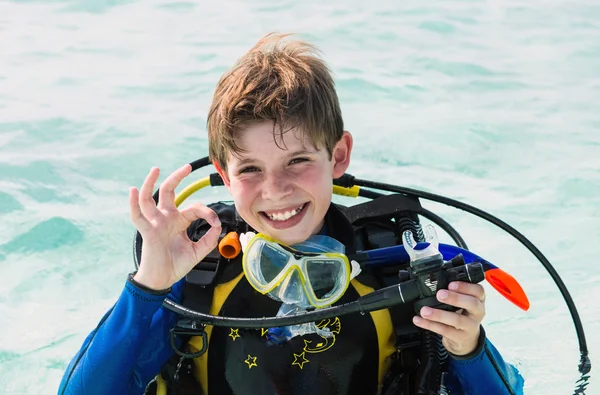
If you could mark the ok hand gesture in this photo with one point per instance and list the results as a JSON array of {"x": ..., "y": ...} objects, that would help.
[{"x": 167, "y": 252}]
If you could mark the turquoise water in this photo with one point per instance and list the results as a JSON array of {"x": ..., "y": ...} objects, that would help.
[{"x": 494, "y": 103}]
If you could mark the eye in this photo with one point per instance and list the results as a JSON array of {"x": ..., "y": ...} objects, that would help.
[
  {"x": 298, "y": 160},
  {"x": 249, "y": 169}
]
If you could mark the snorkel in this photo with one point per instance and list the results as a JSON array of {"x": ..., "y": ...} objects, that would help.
[{"x": 408, "y": 291}]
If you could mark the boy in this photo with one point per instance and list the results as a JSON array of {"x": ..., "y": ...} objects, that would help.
[{"x": 276, "y": 138}]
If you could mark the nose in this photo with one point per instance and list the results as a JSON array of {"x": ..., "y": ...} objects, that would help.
[{"x": 276, "y": 186}]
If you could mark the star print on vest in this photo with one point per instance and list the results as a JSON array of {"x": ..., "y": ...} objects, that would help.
[
  {"x": 299, "y": 360},
  {"x": 325, "y": 343},
  {"x": 250, "y": 361},
  {"x": 234, "y": 334}
]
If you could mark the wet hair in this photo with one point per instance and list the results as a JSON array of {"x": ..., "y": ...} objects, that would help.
[{"x": 282, "y": 81}]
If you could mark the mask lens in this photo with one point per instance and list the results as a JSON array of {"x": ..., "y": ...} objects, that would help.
[
  {"x": 324, "y": 275},
  {"x": 272, "y": 261}
]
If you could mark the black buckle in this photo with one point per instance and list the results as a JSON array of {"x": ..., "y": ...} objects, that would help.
[
  {"x": 205, "y": 271},
  {"x": 189, "y": 328}
]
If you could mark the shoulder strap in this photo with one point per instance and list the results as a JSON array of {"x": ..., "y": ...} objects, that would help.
[
  {"x": 213, "y": 269},
  {"x": 379, "y": 223},
  {"x": 177, "y": 373},
  {"x": 382, "y": 207}
]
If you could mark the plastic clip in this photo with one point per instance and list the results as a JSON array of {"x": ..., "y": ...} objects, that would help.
[{"x": 188, "y": 328}]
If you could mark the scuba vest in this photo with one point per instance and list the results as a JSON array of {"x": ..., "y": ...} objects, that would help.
[{"x": 375, "y": 353}]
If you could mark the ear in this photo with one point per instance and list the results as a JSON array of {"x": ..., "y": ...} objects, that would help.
[
  {"x": 340, "y": 157},
  {"x": 223, "y": 174}
]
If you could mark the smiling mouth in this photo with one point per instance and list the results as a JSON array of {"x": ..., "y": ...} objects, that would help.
[{"x": 284, "y": 216}]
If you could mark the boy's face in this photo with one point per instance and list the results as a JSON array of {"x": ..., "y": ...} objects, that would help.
[{"x": 283, "y": 189}]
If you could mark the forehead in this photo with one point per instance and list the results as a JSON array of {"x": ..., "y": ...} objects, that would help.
[{"x": 267, "y": 138}]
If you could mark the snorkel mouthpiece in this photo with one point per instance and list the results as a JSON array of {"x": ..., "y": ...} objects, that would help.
[
  {"x": 428, "y": 252},
  {"x": 430, "y": 272},
  {"x": 424, "y": 260}
]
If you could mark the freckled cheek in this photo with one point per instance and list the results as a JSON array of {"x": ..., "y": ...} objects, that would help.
[
  {"x": 312, "y": 177},
  {"x": 243, "y": 193},
  {"x": 315, "y": 182},
  {"x": 242, "y": 186}
]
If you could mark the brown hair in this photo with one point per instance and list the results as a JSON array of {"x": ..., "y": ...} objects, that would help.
[{"x": 284, "y": 82}]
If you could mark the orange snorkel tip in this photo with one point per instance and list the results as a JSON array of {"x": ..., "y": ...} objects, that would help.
[
  {"x": 508, "y": 287},
  {"x": 229, "y": 246}
]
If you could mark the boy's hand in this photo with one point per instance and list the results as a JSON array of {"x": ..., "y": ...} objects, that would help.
[
  {"x": 167, "y": 252},
  {"x": 460, "y": 329}
]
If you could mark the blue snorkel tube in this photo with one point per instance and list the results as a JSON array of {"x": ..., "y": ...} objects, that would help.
[{"x": 503, "y": 282}]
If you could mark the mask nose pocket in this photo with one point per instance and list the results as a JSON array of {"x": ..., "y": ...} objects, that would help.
[{"x": 291, "y": 289}]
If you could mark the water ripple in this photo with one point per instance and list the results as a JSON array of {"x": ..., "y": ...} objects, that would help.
[
  {"x": 47, "y": 235},
  {"x": 493, "y": 103}
]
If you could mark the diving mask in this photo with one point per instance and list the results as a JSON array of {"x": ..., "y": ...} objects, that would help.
[{"x": 313, "y": 273}]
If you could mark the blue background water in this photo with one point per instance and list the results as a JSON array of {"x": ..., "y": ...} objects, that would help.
[{"x": 494, "y": 103}]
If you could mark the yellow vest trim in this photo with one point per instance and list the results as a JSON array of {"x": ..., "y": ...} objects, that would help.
[
  {"x": 381, "y": 319},
  {"x": 385, "y": 333},
  {"x": 161, "y": 385},
  {"x": 220, "y": 294}
]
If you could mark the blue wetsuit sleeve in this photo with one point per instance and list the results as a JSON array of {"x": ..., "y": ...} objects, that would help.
[
  {"x": 127, "y": 348},
  {"x": 484, "y": 372}
]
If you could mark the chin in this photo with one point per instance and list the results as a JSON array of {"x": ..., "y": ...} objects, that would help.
[{"x": 289, "y": 236}]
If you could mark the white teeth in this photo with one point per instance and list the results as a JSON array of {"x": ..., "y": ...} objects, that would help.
[{"x": 284, "y": 216}]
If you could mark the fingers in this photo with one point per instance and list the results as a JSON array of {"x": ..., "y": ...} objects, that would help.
[
  {"x": 146, "y": 202},
  {"x": 166, "y": 194},
  {"x": 200, "y": 211},
  {"x": 440, "y": 328},
  {"x": 460, "y": 329},
  {"x": 467, "y": 296},
  {"x": 135, "y": 212},
  {"x": 471, "y": 304},
  {"x": 465, "y": 288},
  {"x": 448, "y": 319},
  {"x": 459, "y": 332},
  {"x": 207, "y": 243}
]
